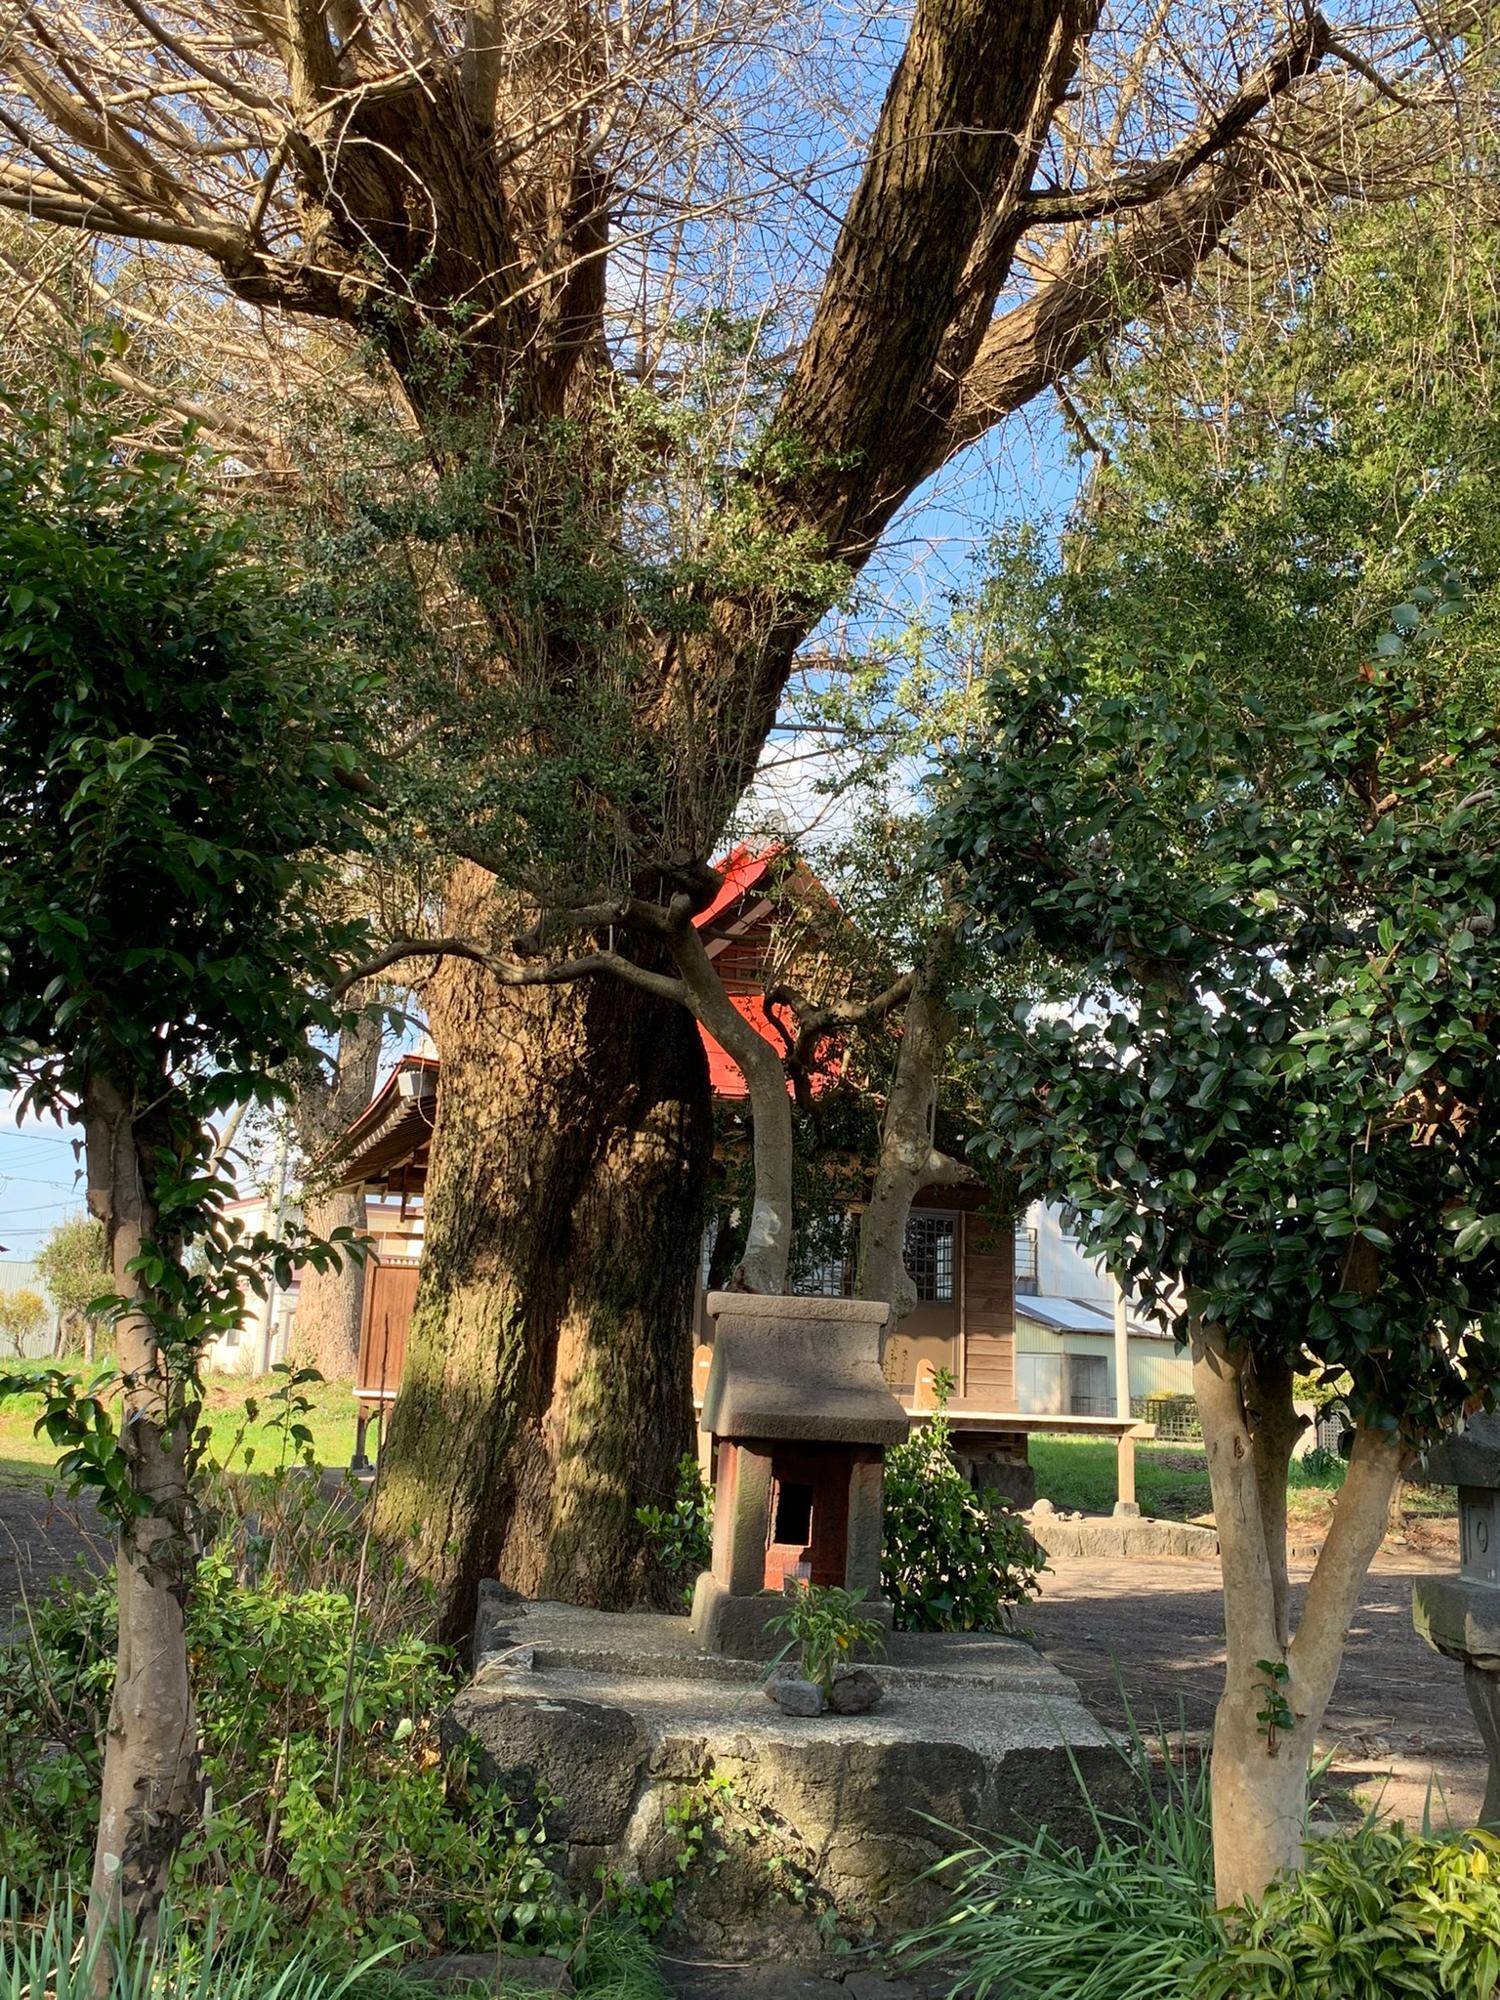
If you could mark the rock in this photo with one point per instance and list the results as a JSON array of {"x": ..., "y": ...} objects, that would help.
[
  {"x": 453, "y": 1969},
  {"x": 587, "y": 1756},
  {"x": 855, "y": 1693},
  {"x": 794, "y": 1697},
  {"x": 509, "y": 1660},
  {"x": 1043, "y": 1506},
  {"x": 458, "y": 1970},
  {"x": 494, "y": 1612},
  {"x": 1012, "y": 1480}
]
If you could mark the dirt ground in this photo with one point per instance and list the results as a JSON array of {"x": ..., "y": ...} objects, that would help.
[
  {"x": 39, "y": 1540},
  {"x": 1399, "y": 1721}
]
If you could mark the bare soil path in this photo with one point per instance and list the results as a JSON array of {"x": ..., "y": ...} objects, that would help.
[
  {"x": 40, "y": 1540},
  {"x": 1399, "y": 1717}
]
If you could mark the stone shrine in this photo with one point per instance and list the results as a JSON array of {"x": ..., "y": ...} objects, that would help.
[
  {"x": 800, "y": 1417},
  {"x": 1459, "y": 1616}
]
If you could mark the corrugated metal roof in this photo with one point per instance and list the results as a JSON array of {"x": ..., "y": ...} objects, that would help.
[{"x": 1066, "y": 1315}]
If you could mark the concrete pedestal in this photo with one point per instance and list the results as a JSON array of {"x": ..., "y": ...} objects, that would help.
[
  {"x": 1461, "y": 1620},
  {"x": 743, "y": 1626}
]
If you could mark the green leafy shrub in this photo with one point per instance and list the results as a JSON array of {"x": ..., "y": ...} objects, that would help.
[
  {"x": 328, "y": 1829},
  {"x": 1318, "y": 1467},
  {"x": 1378, "y": 1914},
  {"x": 952, "y": 1561},
  {"x": 683, "y": 1533},
  {"x": 1032, "y": 1919}
]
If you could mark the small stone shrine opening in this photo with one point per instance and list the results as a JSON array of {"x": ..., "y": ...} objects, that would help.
[{"x": 800, "y": 1416}]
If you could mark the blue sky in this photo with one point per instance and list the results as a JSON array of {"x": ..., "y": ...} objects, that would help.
[{"x": 40, "y": 1182}]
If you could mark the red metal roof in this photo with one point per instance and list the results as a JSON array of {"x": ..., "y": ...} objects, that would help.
[
  {"x": 393, "y": 1129},
  {"x": 744, "y": 870},
  {"x": 725, "y": 1077}
]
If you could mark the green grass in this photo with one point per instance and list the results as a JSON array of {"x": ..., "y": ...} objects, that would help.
[
  {"x": 1077, "y": 1474},
  {"x": 25, "y": 1457}
]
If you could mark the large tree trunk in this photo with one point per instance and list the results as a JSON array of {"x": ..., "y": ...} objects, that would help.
[
  {"x": 1276, "y": 1686},
  {"x": 325, "y": 1334},
  {"x": 546, "y": 1392},
  {"x": 149, "y": 1784}
]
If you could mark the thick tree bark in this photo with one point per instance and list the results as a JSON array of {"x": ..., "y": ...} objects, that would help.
[
  {"x": 546, "y": 1393},
  {"x": 150, "y": 1780},
  {"x": 325, "y": 1335},
  {"x": 1267, "y": 1720}
]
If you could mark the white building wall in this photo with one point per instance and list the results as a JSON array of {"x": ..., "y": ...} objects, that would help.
[
  {"x": 1062, "y": 1269},
  {"x": 1157, "y": 1368},
  {"x": 20, "y": 1274}
]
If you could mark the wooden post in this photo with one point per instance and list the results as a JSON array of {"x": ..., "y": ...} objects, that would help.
[{"x": 1125, "y": 1502}]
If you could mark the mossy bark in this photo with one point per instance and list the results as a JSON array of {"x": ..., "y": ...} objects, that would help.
[{"x": 547, "y": 1387}]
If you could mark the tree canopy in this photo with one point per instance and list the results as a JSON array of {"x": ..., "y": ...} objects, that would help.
[{"x": 1261, "y": 1073}]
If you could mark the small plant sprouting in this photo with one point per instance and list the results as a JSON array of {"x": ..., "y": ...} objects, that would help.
[
  {"x": 682, "y": 1534},
  {"x": 824, "y": 1621},
  {"x": 1275, "y": 1712}
]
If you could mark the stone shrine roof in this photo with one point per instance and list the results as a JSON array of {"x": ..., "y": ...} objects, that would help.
[
  {"x": 799, "y": 1368},
  {"x": 1470, "y": 1457}
]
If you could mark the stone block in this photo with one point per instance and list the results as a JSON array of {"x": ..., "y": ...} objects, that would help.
[
  {"x": 975, "y": 1731},
  {"x": 1471, "y": 1457},
  {"x": 866, "y": 1517},
  {"x": 1459, "y": 1618},
  {"x": 747, "y": 1491},
  {"x": 1012, "y": 1480},
  {"x": 589, "y": 1756},
  {"x": 808, "y": 1368},
  {"x": 494, "y": 1610}
]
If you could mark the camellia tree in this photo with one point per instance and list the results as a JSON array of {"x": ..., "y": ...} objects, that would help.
[
  {"x": 170, "y": 779},
  {"x": 1267, "y": 1078}
]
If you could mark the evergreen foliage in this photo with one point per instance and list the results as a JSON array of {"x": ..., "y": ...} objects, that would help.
[
  {"x": 951, "y": 1559},
  {"x": 1269, "y": 1075}
]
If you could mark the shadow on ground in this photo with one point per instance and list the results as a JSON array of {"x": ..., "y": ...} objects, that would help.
[{"x": 1149, "y": 1636}]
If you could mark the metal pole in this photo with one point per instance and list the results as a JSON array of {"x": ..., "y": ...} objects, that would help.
[{"x": 1125, "y": 1502}]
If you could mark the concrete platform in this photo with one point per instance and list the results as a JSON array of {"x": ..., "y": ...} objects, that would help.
[
  {"x": 1123, "y": 1537},
  {"x": 624, "y": 1721}
]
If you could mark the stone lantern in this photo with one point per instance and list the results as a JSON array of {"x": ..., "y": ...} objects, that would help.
[
  {"x": 1459, "y": 1615},
  {"x": 800, "y": 1417}
]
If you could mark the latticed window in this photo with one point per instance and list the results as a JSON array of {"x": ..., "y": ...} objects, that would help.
[
  {"x": 929, "y": 1256},
  {"x": 828, "y": 1273},
  {"x": 824, "y": 1267},
  {"x": 1026, "y": 1257},
  {"x": 826, "y": 1278}
]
